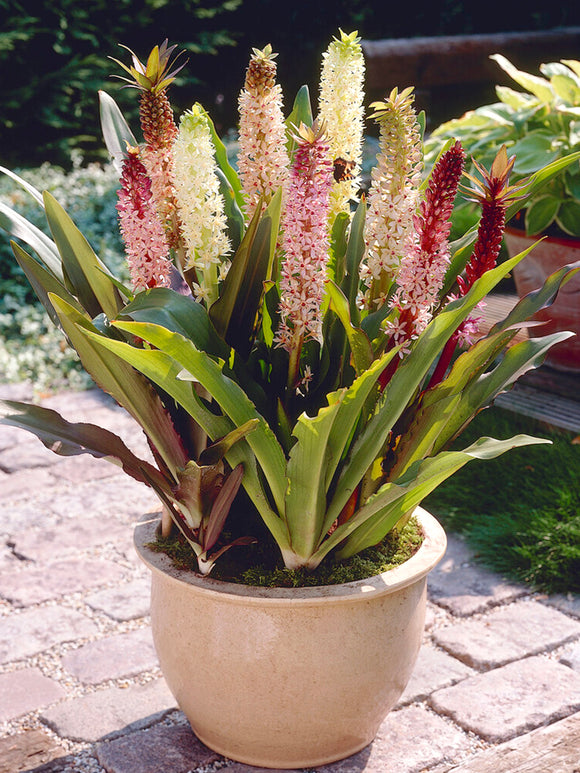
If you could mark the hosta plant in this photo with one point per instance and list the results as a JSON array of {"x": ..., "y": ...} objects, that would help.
[
  {"x": 293, "y": 349},
  {"x": 539, "y": 122}
]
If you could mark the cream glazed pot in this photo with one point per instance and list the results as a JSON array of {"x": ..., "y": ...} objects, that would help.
[{"x": 284, "y": 677}]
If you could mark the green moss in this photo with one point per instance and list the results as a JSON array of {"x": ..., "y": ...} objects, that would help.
[{"x": 256, "y": 567}]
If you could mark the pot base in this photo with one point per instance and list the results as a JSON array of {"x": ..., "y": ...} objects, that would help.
[{"x": 289, "y": 678}]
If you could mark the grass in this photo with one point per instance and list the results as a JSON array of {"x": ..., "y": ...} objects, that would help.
[{"x": 521, "y": 512}]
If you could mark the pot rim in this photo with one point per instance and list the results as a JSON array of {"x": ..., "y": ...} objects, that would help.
[{"x": 415, "y": 568}]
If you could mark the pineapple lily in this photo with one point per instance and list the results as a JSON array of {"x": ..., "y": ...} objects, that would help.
[{"x": 307, "y": 376}]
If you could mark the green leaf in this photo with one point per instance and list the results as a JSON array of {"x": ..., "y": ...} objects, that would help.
[
  {"x": 354, "y": 254},
  {"x": 232, "y": 211},
  {"x": 541, "y": 213},
  {"x": 234, "y": 313},
  {"x": 301, "y": 113},
  {"x": 178, "y": 313},
  {"x": 71, "y": 439},
  {"x": 305, "y": 504},
  {"x": 43, "y": 282},
  {"x": 537, "y": 86},
  {"x": 534, "y": 151},
  {"x": 360, "y": 346},
  {"x": 373, "y": 521},
  {"x": 19, "y": 228},
  {"x": 129, "y": 388},
  {"x": 406, "y": 380},
  {"x": 116, "y": 131},
  {"x": 87, "y": 275},
  {"x": 221, "y": 156},
  {"x": 227, "y": 393},
  {"x": 36, "y": 194},
  {"x": 568, "y": 217}
]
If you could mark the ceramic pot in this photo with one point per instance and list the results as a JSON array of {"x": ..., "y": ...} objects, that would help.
[
  {"x": 564, "y": 314},
  {"x": 288, "y": 678}
]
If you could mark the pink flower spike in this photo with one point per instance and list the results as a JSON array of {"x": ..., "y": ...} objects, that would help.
[
  {"x": 305, "y": 242},
  {"x": 144, "y": 237}
]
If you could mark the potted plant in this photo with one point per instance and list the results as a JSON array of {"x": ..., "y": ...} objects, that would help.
[
  {"x": 539, "y": 125},
  {"x": 299, "y": 364}
]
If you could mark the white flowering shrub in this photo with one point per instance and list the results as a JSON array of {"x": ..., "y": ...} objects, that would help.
[{"x": 30, "y": 347}]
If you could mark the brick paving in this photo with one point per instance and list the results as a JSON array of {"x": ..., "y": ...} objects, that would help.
[{"x": 496, "y": 686}]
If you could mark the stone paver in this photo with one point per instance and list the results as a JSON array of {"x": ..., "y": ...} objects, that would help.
[
  {"x": 33, "y": 631},
  {"x": 568, "y": 603},
  {"x": 111, "y": 711},
  {"x": 45, "y": 544},
  {"x": 124, "y": 602},
  {"x": 173, "y": 748},
  {"x": 25, "y": 751},
  {"x": 552, "y": 749},
  {"x": 434, "y": 669},
  {"x": 511, "y": 700},
  {"x": 463, "y": 587},
  {"x": 410, "y": 740},
  {"x": 26, "y": 690},
  {"x": 509, "y": 633},
  {"x": 500, "y": 665},
  {"x": 571, "y": 657},
  {"x": 34, "y": 584},
  {"x": 113, "y": 657}
]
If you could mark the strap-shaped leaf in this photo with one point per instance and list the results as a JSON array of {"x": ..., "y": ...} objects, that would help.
[
  {"x": 306, "y": 471},
  {"x": 19, "y": 228},
  {"x": 234, "y": 313},
  {"x": 354, "y": 254},
  {"x": 116, "y": 131},
  {"x": 437, "y": 417},
  {"x": 36, "y": 194},
  {"x": 227, "y": 393},
  {"x": 221, "y": 156},
  {"x": 301, "y": 113},
  {"x": 519, "y": 359},
  {"x": 372, "y": 522},
  {"x": 178, "y": 313},
  {"x": 71, "y": 439},
  {"x": 88, "y": 276},
  {"x": 44, "y": 282},
  {"x": 129, "y": 388},
  {"x": 535, "y": 300},
  {"x": 407, "y": 379},
  {"x": 163, "y": 370},
  {"x": 360, "y": 346}
]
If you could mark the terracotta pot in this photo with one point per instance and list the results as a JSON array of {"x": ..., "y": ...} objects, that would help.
[
  {"x": 288, "y": 678},
  {"x": 564, "y": 314}
]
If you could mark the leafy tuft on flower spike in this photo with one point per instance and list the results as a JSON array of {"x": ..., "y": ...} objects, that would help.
[{"x": 159, "y": 130}]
